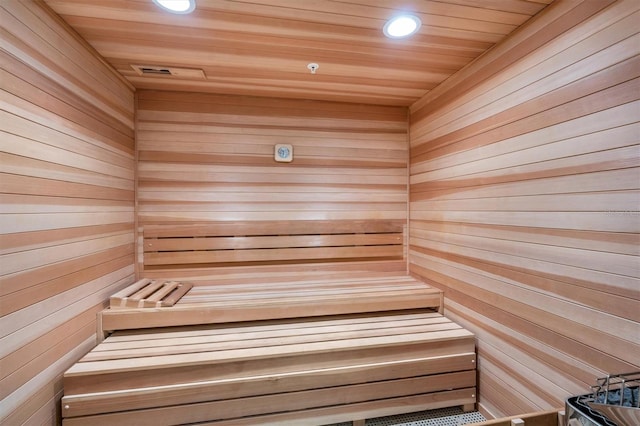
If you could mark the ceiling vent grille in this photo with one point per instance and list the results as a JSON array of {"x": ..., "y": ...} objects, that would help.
[
  {"x": 173, "y": 72},
  {"x": 161, "y": 71}
]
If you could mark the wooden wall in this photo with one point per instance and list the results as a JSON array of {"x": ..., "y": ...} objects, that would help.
[
  {"x": 523, "y": 197},
  {"x": 66, "y": 204},
  {"x": 210, "y": 158},
  {"x": 525, "y": 203}
]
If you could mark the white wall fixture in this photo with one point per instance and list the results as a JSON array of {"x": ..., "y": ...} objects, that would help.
[
  {"x": 401, "y": 26},
  {"x": 313, "y": 67},
  {"x": 283, "y": 153},
  {"x": 177, "y": 6}
]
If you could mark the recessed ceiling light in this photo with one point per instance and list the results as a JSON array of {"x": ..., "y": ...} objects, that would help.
[
  {"x": 177, "y": 6},
  {"x": 401, "y": 26}
]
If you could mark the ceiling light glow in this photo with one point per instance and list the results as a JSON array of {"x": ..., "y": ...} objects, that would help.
[
  {"x": 402, "y": 26},
  {"x": 177, "y": 6}
]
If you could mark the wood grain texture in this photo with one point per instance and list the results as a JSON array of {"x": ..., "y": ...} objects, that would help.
[
  {"x": 240, "y": 370},
  {"x": 263, "y": 48},
  {"x": 67, "y": 191},
  {"x": 271, "y": 296},
  {"x": 540, "y": 418},
  {"x": 523, "y": 172},
  {"x": 524, "y": 204},
  {"x": 209, "y": 159},
  {"x": 277, "y": 242}
]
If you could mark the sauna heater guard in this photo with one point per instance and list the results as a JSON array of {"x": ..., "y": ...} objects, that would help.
[{"x": 613, "y": 401}]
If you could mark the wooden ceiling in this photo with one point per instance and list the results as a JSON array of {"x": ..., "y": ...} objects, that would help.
[{"x": 262, "y": 47}]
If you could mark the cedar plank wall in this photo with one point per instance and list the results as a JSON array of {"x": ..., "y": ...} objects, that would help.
[
  {"x": 206, "y": 157},
  {"x": 67, "y": 197},
  {"x": 524, "y": 204}
]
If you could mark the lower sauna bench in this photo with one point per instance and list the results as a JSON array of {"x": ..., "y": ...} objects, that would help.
[{"x": 309, "y": 371}]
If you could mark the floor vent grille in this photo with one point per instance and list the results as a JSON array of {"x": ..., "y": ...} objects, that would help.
[{"x": 453, "y": 416}]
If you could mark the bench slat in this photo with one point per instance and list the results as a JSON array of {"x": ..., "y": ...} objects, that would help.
[
  {"x": 245, "y": 354},
  {"x": 174, "y": 347},
  {"x": 272, "y": 325},
  {"x": 256, "y": 242},
  {"x": 190, "y": 335},
  {"x": 145, "y": 291},
  {"x": 306, "y": 286},
  {"x": 298, "y": 227},
  {"x": 264, "y": 273},
  {"x": 212, "y": 390},
  {"x": 212, "y": 313},
  {"x": 272, "y": 255},
  {"x": 179, "y": 291}
]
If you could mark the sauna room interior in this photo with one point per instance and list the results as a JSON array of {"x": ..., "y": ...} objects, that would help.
[{"x": 489, "y": 163}]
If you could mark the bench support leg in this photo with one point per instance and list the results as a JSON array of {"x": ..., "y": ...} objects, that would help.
[
  {"x": 468, "y": 407},
  {"x": 561, "y": 418},
  {"x": 100, "y": 334},
  {"x": 358, "y": 422}
]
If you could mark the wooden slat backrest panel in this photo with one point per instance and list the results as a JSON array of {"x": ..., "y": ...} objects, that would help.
[
  {"x": 278, "y": 242},
  {"x": 524, "y": 204},
  {"x": 66, "y": 204}
]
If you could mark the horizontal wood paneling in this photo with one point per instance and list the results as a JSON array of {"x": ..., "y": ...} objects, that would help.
[
  {"x": 263, "y": 48},
  {"x": 524, "y": 204},
  {"x": 209, "y": 158},
  {"x": 67, "y": 204}
]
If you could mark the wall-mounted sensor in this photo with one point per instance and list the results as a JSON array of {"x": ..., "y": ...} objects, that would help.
[
  {"x": 283, "y": 153},
  {"x": 313, "y": 67}
]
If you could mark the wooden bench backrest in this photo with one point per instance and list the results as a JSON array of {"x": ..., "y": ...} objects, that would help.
[{"x": 274, "y": 242}]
